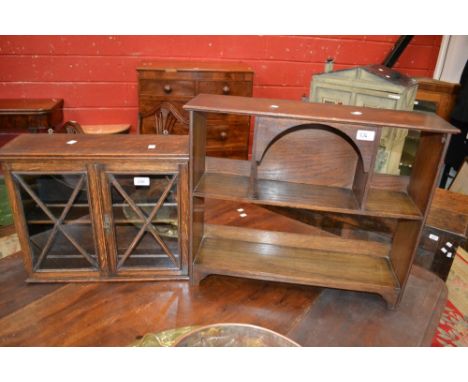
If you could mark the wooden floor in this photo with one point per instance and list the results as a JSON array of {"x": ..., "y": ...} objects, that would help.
[{"x": 116, "y": 314}]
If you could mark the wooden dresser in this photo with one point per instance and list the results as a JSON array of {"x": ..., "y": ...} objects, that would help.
[
  {"x": 178, "y": 82},
  {"x": 27, "y": 115},
  {"x": 436, "y": 96}
]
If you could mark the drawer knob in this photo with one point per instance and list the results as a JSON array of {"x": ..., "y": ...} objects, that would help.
[
  {"x": 167, "y": 88},
  {"x": 223, "y": 135},
  {"x": 226, "y": 89}
]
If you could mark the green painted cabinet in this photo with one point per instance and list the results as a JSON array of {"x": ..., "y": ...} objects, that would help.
[{"x": 371, "y": 86}]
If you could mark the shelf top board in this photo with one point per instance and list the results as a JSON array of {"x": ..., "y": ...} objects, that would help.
[
  {"x": 197, "y": 66},
  {"x": 96, "y": 146},
  {"x": 320, "y": 112},
  {"x": 29, "y": 105}
]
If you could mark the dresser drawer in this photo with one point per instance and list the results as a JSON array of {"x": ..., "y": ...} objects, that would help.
[
  {"x": 168, "y": 88},
  {"x": 235, "y": 88},
  {"x": 177, "y": 82},
  {"x": 224, "y": 131}
]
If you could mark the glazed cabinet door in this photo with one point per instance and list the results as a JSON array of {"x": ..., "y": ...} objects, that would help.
[
  {"x": 143, "y": 217},
  {"x": 54, "y": 223}
]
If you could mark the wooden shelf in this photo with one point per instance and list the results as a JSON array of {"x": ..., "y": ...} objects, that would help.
[
  {"x": 381, "y": 203},
  {"x": 294, "y": 258},
  {"x": 316, "y": 157}
]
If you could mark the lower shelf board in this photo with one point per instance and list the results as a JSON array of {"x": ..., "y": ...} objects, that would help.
[{"x": 314, "y": 265}]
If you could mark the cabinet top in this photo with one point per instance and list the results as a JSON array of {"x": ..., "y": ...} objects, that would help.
[
  {"x": 432, "y": 85},
  {"x": 96, "y": 146},
  {"x": 174, "y": 66},
  {"x": 29, "y": 105},
  {"x": 320, "y": 112}
]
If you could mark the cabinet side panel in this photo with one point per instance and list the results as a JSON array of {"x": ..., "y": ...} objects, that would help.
[
  {"x": 427, "y": 165},
  {"x": 19, "y": 220},
  {"x": 198, "y": 217},
  {"x": 404, "y": 245},
  {"x": 197, "y": 146},
  {"x": 184, "y": 204},
  {"x": 197, "y": 163}
]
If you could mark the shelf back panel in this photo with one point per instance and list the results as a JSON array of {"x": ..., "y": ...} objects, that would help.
[{"x": 312, "y": 161}]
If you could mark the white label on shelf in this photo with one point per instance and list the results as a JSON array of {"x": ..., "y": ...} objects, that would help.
[
  {"x": 449, "y": 244},
  {"x": 141, "y": 181},
  {"x": 365, "y": 135},
  {"x": 449, "y": 255},
  {"x": 444, "y": 250},
  {"x": 433, "y": 237},
  {"x": 72, "y": 142},
  {"x": 151, "y": 147},
  {"x": 393, "y": 96}
]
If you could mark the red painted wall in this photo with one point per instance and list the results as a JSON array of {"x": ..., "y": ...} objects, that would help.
[{"x": 96, "y": 75}]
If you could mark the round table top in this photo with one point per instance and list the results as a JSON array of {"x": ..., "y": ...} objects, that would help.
[{"x": 106, "y": 128}]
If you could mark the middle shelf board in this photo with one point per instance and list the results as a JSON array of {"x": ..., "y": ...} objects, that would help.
[
  {"x": 320, "y": 261},
  {"x": 381, "y": 203}
]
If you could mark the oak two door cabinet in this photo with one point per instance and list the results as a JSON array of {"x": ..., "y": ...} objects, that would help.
[
  {"x": 93, "y": 208},
  {"x": 174, "y": 83},
  {"x": 315, "y": 163}
]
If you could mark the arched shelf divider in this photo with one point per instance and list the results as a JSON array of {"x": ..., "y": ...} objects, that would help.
[{"x": 270, "y": 130}]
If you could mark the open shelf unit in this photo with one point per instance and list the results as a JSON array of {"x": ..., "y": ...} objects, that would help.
[{"x": 319, "y": 158}]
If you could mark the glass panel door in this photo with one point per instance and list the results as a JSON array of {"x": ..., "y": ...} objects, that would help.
[
  {"x": 145, "y": 219},
  {"x": 58, "y": 221}
]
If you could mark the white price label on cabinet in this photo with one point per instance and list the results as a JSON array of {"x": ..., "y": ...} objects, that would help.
[
  {"x": 433, "y": 237},
  {"x": 365, "y": 135},
  {"x": 141, "y": 181}
]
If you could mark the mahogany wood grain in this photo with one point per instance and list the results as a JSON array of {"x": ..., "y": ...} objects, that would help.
[
  {"x": 449, "y": 212},
  {"x": 176, "y": 82},
  {"x": 197, "y": 169},
  {"x": 118, "y": 314},
  {"x": 227, "y": 166},
  {"x": 102, "y": 146},
  {"x": 318, "y": 158},
  {"x": 381, "y": 203},
  {"x": 308, "y": 267},
  {"x": 404, "y": 244},
  {"x": 390, "y": 182},
  {"x": 98, "y": 160},
  {"x": 320, "y": 113},
  {"x": 336, "y": 168},
  {"x": 24, "y": 115},
  {"x": 442, "y": 93},
  {"x": 426, "y": 168},
  {"x": 273, "y": 130},
  {"x": 285, "y": 239},
  {"x": 15, "y": 293},
  {"x": 388, "y": 203},
  {"x": 358, "y": 319}
]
